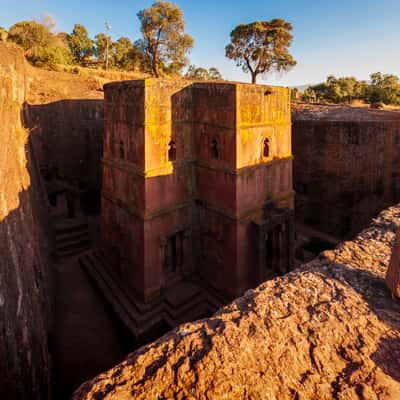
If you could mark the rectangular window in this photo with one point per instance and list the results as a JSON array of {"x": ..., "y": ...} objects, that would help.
[
  {"x": 173, "y": 253},
  {"x": 276, "y": 246}
]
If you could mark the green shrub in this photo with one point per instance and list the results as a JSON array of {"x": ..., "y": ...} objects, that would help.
[{"x": 50, "y": 57}]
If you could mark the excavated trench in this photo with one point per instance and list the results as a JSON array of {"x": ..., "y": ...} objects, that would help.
[{"x": 51, "y": 204}]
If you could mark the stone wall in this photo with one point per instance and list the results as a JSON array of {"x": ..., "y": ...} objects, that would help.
[
  {"x": 25, "y": 306},
  {"x": 345, "y": 169},
  {"x": 67, "y": 137},
  {"x": 208, "y": 195},
  {"x": 328, "y": 330}
]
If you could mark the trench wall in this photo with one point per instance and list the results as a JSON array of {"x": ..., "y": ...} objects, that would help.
[
  {"x": 345, "y": 172},
  {"x": 25, "y": 306}
]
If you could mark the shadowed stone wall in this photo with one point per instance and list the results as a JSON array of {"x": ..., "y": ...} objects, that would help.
[
  {"x": 68, "y": 135},
  {"x": 25, "y": 305},
  {"x": 345, "y": 172}
]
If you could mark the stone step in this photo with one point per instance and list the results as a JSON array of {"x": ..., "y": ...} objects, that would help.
[
  {"x": 73, "y": 244},
  {"x": 72, "y": 237},
  {"x": 71, "y": 229},
  {"x": 74, "y": 251},
  {"x": 213, "y": 296},
  {"x": 120, "y": 307},
  {"x": 123, "y": 304},
  {"x": 180, "y": 303},
  {"x": 186, "y": 312},
  {"x": 181, "y": 299},
  {"x": 143, "y": 310}
]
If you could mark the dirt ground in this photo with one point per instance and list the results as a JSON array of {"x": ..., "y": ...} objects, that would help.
[{"x": 47, "y": 86}]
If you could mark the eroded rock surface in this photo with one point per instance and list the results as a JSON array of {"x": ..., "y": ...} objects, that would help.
[
  {"x": 328, "y": 330},
  {"x": 393, "y": 272}
]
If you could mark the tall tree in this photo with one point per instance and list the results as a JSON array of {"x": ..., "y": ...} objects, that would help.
[
  {"x": 80, "y": 44},
  {"x": 101, "y": 43},
  {"x": 262, "y": 47},
  {"x": 30, "y": 34},
  {"x": 123, "y": 52},
  {"x": 164, "y": 42}
]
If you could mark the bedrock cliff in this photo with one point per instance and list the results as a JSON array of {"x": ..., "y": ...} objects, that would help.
[
  {"x": 329, "y": 330},
  {"x": 25, "y": 309}
]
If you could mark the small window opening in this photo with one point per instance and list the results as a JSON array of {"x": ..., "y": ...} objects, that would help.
[
  {"x": 214, "y": 149},
  {"x": 266, "y": 148},
  {"x": 121, "y": 150},
  {"x": 173, "y": 256},
  {"x": 171, "y": 151},
  {"x": 346, "y": 227}
]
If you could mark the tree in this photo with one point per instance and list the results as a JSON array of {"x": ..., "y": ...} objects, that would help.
[
  {"x": 50, "y": 57},
  {"x": 3, "y": 34},
  {"x": 102, "y": 44},
  {"x": 201, "y": 73},
  {"x": 124, "y": 53},
  {"x": 261, "y": 47},
  {"x": 309, "y": 96},
  {"x": 384, "y": 88},
  {"x": 42, "y": 48},
  {"x": 215, "y": 75},
  {"x": 30, "y": 34},
  {"x": 338, "y": 90},
  {"x": 80, "y": 44},
  {"x": 165, "y": 43},
  {"x": 194, "y": 72},
  {"x": 62, "y": 39}
]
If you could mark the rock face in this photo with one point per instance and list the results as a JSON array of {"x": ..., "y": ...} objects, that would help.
[
  {"x": 354, "y": 147},
  {"x": 67, "y": 137},
  {"x": 64, "y": 113},
  {"x": 328, "y": 330},
  {"x": 24, "y": 301},
  {"x": 393, "y": 273}
]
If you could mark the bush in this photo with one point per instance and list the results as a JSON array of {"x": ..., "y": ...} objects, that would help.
[
  {"x": 3, "y": 34},
  {"x": 50, "y": 57}
]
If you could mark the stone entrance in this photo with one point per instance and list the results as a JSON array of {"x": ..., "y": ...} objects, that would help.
[{"x": 275, "y": 244}]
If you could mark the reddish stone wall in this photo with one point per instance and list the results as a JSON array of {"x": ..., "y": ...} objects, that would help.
[
  {"x": 24, "y": 265},
  {"x": 219, "y": 181},
  {"x": 141, "y": 182},
  {"x": 345, "y": 172}
]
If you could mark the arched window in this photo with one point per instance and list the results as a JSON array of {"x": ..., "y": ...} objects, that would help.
[
  {"x": 171, "y": 151},
  {"x": 214, "y": 151},
  {"x": 121, "y": 150},
  {"x": 266, "y": 148}
]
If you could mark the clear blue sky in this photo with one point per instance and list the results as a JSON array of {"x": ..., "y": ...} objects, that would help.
[{"x": 340, "y": 37}]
